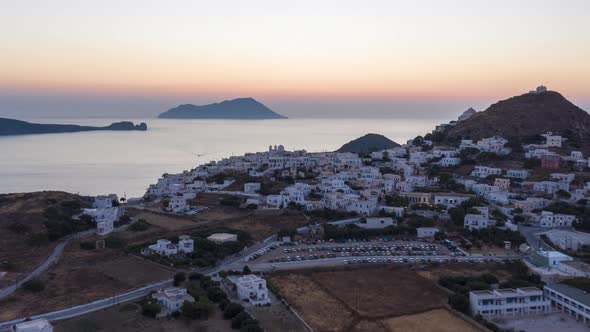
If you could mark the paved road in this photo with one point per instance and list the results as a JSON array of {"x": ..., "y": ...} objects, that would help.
[
  {"x": 532, "y": 236},
  {"x": 51, "y": 259},
  {"x": 93, "y": 306}
]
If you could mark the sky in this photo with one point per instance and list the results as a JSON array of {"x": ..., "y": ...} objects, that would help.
[{"x": 302, "y": 58}]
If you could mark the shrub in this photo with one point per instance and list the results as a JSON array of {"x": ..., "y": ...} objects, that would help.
[
  {"x": 88, "y": 245},
  {"x": 236, "y": 322},
  {"x": 19, "y": 228},
  {"x": 216, "y": 294},
  {"x": 246, "y": 270},
  {"x": 179, "y": 278},
  {"x": 150, "y": 309},
  {"x": 34, "y": 285},
  {"x": 38, "y": 240},
  {"x": 232, "y": 310},
  {"x": 114, "y": 242},
  {"x": 139, "y": 226}
]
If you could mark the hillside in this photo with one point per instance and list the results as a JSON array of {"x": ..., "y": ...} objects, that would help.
[
  {"x": 29, "y": 222},
  {"x": 241, "y": 108},
  {"x": 368, "y": 143},
  {"x": 524, "y": 116},
  {"x": 17, "y": 127}
]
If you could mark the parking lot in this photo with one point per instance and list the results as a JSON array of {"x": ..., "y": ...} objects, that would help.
[{"x": 349, "y": 249}]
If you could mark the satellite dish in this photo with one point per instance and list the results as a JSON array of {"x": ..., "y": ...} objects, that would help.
[{"x": 524, "y": 248}]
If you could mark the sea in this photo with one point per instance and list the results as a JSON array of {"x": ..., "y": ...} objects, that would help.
[{"x": 126, "y": 162}]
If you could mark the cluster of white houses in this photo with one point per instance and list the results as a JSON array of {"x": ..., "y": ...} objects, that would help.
[{"x": 106, "y": 211}]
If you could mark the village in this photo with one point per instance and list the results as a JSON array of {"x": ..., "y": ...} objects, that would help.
[{"x": 492, "y": 202}]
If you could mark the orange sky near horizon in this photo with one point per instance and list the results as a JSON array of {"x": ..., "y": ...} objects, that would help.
[{"x": 382, "y": 50}]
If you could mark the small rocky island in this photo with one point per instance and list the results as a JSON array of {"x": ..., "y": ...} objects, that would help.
[
  {"x": 17, "y": 127},
  {"x": 235, "y": 109},
  {"x": 368, "y": 143}
]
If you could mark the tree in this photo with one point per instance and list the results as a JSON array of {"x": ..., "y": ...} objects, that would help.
[
  {"x": 179, "y": 278},
  {"x": 251, "y": 328},
  {"x": 150, "y": 309},
  {"x": 34, "y": 285},
  {"x": 232, "y": 310},
  {"x": 236, "y": 322},
  {"x": 216, "y": 294},
  {"x": 246, "y": 270},
  {"x": 459, "y": 302}
]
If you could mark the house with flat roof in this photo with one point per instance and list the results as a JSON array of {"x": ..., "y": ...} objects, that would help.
[
  {"x": 508, "y": 302},
  {"x": 422, "y": 232},
  {"x": 222, "y": 237},
  {"x": 253, "y": 289},
  {"x": 171, "y": 299},
  {"x": 570, "y": 300}
]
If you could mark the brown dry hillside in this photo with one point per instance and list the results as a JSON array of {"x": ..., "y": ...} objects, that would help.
[
  {"x": 527, "y": 115},
  {"x": 24, "y": 239}
]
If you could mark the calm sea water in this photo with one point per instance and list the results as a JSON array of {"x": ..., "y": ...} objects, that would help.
[{"x": 127, "y": 162}]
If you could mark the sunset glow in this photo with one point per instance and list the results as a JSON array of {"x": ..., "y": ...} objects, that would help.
[{"x": 379, "y": 49}]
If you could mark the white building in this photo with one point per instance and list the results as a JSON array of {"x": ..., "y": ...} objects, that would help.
[
  {"x": 508, "y": 302},
  {"x": 570, "y": 300},
  {"x": 376, "y": 223},
  {"x": 171, "y": 299},
  {"x": 165, "y": 247},
  {"x": 36, "y": 325},
  {"x": 253, "y": 289},
  {"x": 568, "y": 240},
  {"x": 104, "y": 201},
  {"x": 552, "y": 140},
  {"x": 398, "y": 211},
  {"x": 548, "y": 187},
  {"x": 449, "y": 162},
  {"x": 450, "y": 200},
  {"x": 251, "y": 187},
  {"x": 222, "y": 237},
  {"x": 363, "y": 207},
  {"x": 478, "y": 221},
  {"x": 550, "y": 219},
  {"x": 422, "y": 232},
  {"x": 503, "y": 184},
  {"x": 517, "y": 174},
  {"x": 485, "y": 171},
  {"x": 178, "y": 204}
]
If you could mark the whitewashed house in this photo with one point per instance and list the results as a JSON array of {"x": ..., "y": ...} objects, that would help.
[
  {"x": 568, "y": 240},
  {"x": 186, "y": 244},
  {"x": 449, "y": 162},
  {"x": 450, "y": 200},
  {"x": 517, "y": 174},
  {"x": 478, "y": 221},
  {"x": 164, "y": 248},
  {"x": 363, "y": 207},
  {"x": 252, "y": 187},
  {"x": 398, "y": 211},
  {"x": 376, "y": 223},
  {"x": 552, "y": 140},
  {"x": 485, "y": 171},
  {"x": 422, "y": 232},
  {"x": 550, "y": 219},
  {"x": 548, "y": 187},
  {"x": 253, "y": 289},
  {"x": 503, "y": 184},
  {"x": 171, "y": 299},
  {"x": 104, "y": 201}
]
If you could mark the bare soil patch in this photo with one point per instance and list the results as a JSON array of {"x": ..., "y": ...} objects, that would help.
[
  {"x": 440, "y": 320},
  {"x": 320, "y": 309},
  {"x": 382, "y": 292}
]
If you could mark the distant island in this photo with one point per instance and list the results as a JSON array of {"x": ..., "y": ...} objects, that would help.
[
  {"x": 368, "y": 143},
  {"x": 235, "y": 109},
  {"x": 17, "y": 127}
]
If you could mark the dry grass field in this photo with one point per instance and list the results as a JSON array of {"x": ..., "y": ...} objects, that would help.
[
  {"x": 81, "y": 277},
  {"x": 440, "y": 320},
  {"x": 322, "y": 311},
  {"x": 367, "y": 299},
  {"x": 382, "y": 292},
  {"x": 26, "y": 209}
]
